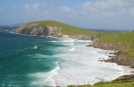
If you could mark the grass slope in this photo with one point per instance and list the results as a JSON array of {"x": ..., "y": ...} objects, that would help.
[{"x": 66, "y": 29}]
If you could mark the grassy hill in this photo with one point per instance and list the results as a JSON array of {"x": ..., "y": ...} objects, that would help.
[{"x": 66, "y": 29}]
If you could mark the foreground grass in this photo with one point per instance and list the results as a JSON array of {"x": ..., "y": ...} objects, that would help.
[
  {"x": 66, "y": 28},
  {"x": 126, "y": 82},
  {"x": 129, "y": 84}
]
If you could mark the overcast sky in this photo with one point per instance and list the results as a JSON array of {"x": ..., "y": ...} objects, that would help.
[{"x": 93, "y": 14}]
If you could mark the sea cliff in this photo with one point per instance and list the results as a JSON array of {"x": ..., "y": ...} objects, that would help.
[{"x": 34, "y": 29}]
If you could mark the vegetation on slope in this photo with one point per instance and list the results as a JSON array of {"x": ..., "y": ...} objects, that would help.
[{"x": 66, "y": 29}]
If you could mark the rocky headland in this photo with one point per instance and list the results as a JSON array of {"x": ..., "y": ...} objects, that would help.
[{"x": 56, "y": 30}]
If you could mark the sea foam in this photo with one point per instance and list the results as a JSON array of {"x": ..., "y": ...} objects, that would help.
[{"x": 80, "y": 65}]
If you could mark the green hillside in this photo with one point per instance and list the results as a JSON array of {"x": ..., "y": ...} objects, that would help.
[{"x": 66, "y": 29}]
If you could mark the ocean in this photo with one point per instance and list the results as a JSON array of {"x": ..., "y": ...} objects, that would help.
[{"x": 48, "y": 61}]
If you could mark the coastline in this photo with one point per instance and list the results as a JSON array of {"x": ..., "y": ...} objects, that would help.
[
  {"x": 114, "y": 57},
  {"x": 106, "y": 47},
  {"x": 111, "y": 54}
]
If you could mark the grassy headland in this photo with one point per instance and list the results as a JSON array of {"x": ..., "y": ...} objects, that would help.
[{"x": 66, "y": 28}]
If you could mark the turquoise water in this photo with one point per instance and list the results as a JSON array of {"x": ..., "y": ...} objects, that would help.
[{"x": 22, "y": 55}]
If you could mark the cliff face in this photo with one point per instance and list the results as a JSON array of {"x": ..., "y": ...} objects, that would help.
[{"x": 34, "y": 29}]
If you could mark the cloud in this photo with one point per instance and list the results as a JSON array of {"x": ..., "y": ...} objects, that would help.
[
  {"x": 44, "y": 11},
  {"x": 109, "y": 8},
  {"x": 65, "y": 9}
]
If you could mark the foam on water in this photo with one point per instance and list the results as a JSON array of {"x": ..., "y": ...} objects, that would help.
[
  {"x": 44, "y": 79},
  {"x": 35, "y": 47},
  {"x": 72, "y": 49},
  {"x": 80, "y": 65}
]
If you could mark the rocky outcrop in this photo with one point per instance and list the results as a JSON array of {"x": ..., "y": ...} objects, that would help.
[
  {"x": 34, "y": 29},
  {"x": 122, "y": 60}
]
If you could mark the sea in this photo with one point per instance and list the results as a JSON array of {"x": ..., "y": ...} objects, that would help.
[{"x": 37, "y": 61}]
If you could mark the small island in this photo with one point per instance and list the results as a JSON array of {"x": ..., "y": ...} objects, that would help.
[{"x": 0, "y": 28}]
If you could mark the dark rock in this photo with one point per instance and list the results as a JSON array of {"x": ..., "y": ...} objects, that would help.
[
  {"x": 127, "y": 76},
  {"x": 132, "y": 71}
]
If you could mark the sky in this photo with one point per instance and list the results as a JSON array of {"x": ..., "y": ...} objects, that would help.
[{"x": 91, "y": 14}]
